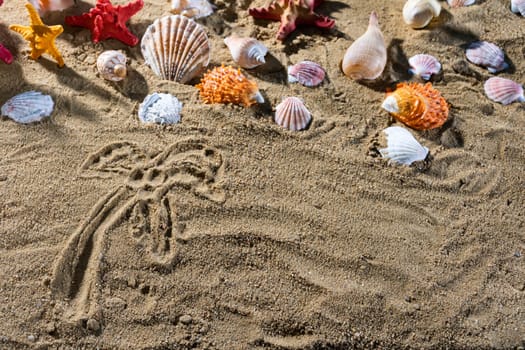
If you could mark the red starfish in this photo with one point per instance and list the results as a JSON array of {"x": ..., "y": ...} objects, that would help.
[
  {"x": 5, "y": 55},
  {"x": 292, "y": 13},
  {"x": 107, "y": 21}
]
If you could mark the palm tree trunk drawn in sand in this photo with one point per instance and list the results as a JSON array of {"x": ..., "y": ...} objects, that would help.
[{"x": 190, "y": 165}]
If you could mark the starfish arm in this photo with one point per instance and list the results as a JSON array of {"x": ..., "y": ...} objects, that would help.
[
  {"x": 33, "y": 15},
  {"x": 36, "y": 53},
  {"x": 56, "y": 30},
  {"x": 265, "y": 13},
  {"x": 85, "y": 20},
  {"x": 53, "y": 51},
  {"x": 26, "y": 32},
  {"x": 288, "y": 25},
  {"x": 126, "y": 37},
  {"x": 130, "y": 9},
  {"x": 97, "y": 31},
  {"x": 5, "y": 55},
  {"x": 316, "y": 20}
]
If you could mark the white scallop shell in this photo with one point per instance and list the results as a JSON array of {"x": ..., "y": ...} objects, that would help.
[
  {"x": 292, "y": 114},
  {"x": 176, "y": 48},
  {"x": 460, "y": 3},
  {"x": 424, "y": 65},
  {"x": 192, "y": 8},
  {"x": 366, "y": 57},
  {"x": 518, "y": 6},
  {"x": 487, "y": 55},
  {"x": 306, "y": 73},
  {"x": 246, "y": 52},
  {"x": 419, "y": 13},
  {"x": 28, "y": 107},
  {"x": 160, "y": 108},
  {"x": 503, "y": 90},
  {"x": 402, "y": 147},
  {"x": 111, "y": 65}
]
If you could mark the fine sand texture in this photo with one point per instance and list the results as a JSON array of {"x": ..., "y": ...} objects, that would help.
[{"x": 227, "y": 231}]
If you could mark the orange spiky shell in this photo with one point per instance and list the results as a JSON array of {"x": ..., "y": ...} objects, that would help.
[
  {"x": 420, "y": 107},
  {"x": 228, "y": 85}
]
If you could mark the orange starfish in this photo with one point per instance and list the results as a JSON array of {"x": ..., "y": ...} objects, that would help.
[{"x": 41, "y": 37}]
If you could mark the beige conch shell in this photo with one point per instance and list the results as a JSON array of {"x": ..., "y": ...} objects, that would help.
[
  {"x": 246, "y": 52},
  {"x": 419, "y": 13},
  {"x": 366, "y": 57}
]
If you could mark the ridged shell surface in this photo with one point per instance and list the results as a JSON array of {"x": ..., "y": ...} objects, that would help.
[
  {"x": 192, "y": 8},
  {"x": 228, "y": 85},
  {"x": 111, "y": 65},
  {"x": 418, "y": 106},
  {"x": 28, "y": 107},
  {"x": 504, "y": 91},
  {"x": 460, "y": 3},
  {"x": 419, "y": 13},
  {"x": 518, "y": 6},
  {"x": 306, "y": 73},
  {"x": 424, "y": 66},
  {"x": 246, "y": 52},
  {"x": 160, "y": 108},
  {"x": 176, "y": 48},
  {"x": 366, "y": 57},
  {"x": 487, "y": 55},
  {"x": 402, "y": 146},
  {"x": 292, "y": 114}
]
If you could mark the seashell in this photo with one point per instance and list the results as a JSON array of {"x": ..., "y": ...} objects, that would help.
[
  {"x": 160, "y": 109},
  {"x": 306, "y": 73},
  {"x": 460, "y": 3},
  {"x": 292, "y": 114},
  {"x": 246, "y": 52},
  {"x": 228, "y": 85},
  {"x": 487, "y": 55},
  {"x": 111, "y": 65},
  {"x": 28, "y": 107},
  {"x": 176, "y": 48},
  {"x": 402, "y": 147},
  {"x": 503, "y": 90},
  {"x": 418, "y": 106},
  {"x": 424, "y": 66},
  {"x": 45, "y": 6},
  {"x": 419, "y": 13},
  {"x": 518, "y": 6},
  {"x": 366, "y": 57},
  {"x": 192, "y": 8}
]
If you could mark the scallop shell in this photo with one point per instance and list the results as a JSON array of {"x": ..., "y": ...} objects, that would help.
[
  {"x": 418, "y": 106},
  {"x": 111, "y": 65},
  {"x": 28, "y": 107},
  {"x": 419, "y": 13},
  {"x": 192, "y": 8},
  {"x": 402, "y": 147},
  {"x": 246, "y": 52},
  {"x": 518, "y": 6},
  {"x": 366, "y": 57},
  {"x": 176, "y": 48},
  {"x": 228, "y": 85},
  {"x": 424, "y": 65},
  {"x": 292, "y": 114},
  {"x": 45, "y": 6},
  {"x": 460, "y": 3},
  {"x": 306, "y": 73},
  {"x": 160, "y": 109},
  {"x": 503, "y": 90},
  {"x": 487, "y": 55}
]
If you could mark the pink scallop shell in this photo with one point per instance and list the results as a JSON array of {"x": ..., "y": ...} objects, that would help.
[
  {"x": 503, "y": 90},
  {"x": 424, "y": 65},
  {"x": 487, "y": 55},
  {"x": 306, "y": 73},
  {"x": 460, "y": 3},
  {"x": 518, "y": 6},
  {"x": 292, "y": 114}
]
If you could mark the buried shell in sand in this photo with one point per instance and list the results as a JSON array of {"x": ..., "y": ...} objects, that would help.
[
  {"x": 45, "y": 6},
  {"x": 28, "y": 107},
  {"x": 402, "y": 147},
  {"x": 419, "y": 13},
  {"x": 306, "y": 73},
  {"x": 424, "y": 66},
  {"x": 292, "y": 114},
  {"x": 487, "y": 55},
  {"x": 504, "y": 91},
  {"x": 192, "y": 8},
  {"x": 160, "y": 108},
  {"x": 111, "y": 65},
  {"x": 246, "y": 52}
]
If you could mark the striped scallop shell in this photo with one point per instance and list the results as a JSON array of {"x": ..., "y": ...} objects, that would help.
[
  {"x": 518, "y": 6},
  {"x": 419, "y": 13},
  {"x": 424, "y": 66},
  {"x": 111, "y": 65},
  {"x": 176, "y": 48},
  {"x": 28, "y": 107},
  {"x": 418, "y": 106},
  {"x": 503, "y": 90},
  {"x": 306, "y": 73},
  {"x": 460, "y": 3},
  {"x": 402, "y": 147},
  {"x": 160, "y": 109},
  {"x": 192, "y": 8},
  {"x": 246, "y": 52},
  {"x": 487, "y": 55},
  {"x": 292, "y": 114}
]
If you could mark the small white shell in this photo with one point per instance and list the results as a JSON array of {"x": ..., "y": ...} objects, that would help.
[
  {"x": 460, "y": 3},
  {"x": 402, "y": 147},
  {"x": 192, "y": 8},
  {"x": 246, "y": 52},
  {"x": 306, "y": 73},
  {"x": 292, "y": 114},
  {"x": 487, "y": 55},
  {"x": 28, "y": 107},
  {"x": 419, "y": 13},
  {"x": 503, "y": 90},
  {"x": 45, "y": 6},
  {"x": 160, "y": 109},
  {"x": 424, "y": 66},
  {"x": 111, "y": 65},
  {"x": 518, "y": 6}
]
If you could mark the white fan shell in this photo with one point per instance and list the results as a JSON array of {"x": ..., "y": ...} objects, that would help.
[{"x": 402, "y": 147}]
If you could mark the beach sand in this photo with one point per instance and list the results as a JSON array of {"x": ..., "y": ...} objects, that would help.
[{"x": 227, "y": 231}]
